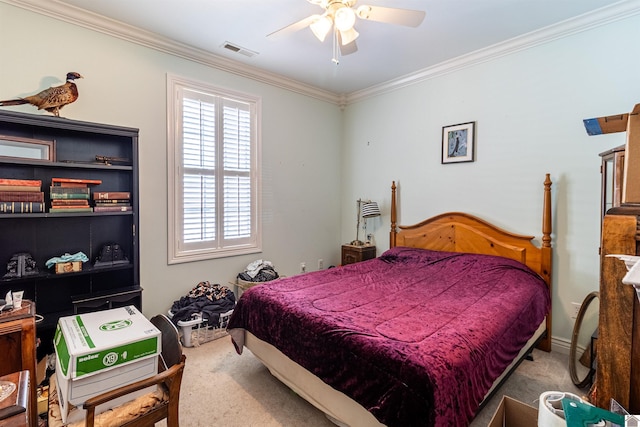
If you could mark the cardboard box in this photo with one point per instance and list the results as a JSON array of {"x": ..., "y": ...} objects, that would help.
[
  {"x": 629, "y": 123},
  {"x": 101, "y": 351},
  {"x": 513, "y": 413}
]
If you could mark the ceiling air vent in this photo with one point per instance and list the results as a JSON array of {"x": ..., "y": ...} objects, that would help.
[{"x": 237, "y": 49}]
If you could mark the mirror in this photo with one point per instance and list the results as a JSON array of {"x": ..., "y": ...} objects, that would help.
[{"x": 583, "y": 354}]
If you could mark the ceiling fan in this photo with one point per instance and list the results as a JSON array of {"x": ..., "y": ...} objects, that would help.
[{"x": 340, "y": 15}]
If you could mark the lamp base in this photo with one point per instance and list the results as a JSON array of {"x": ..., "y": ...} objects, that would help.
[{"x": 357, "y": 243}]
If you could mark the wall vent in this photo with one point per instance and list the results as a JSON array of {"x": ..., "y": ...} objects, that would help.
[{"x": 238, "y": 49}]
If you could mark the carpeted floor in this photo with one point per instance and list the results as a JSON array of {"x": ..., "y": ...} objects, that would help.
[{"x": 221, "y": 388}]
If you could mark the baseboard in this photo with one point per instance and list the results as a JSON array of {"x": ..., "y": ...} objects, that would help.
[{"x": 560, "y": 345}]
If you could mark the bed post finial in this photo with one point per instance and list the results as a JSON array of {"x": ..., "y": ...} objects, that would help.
[
  {"x": 392, "y": 234},
  {"x": 546, "y": 214}
]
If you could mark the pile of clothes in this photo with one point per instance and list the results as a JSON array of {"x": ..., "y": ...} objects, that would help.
[
  {"x": 209, "y": 300},
  {"x": 259, "y": 271}
]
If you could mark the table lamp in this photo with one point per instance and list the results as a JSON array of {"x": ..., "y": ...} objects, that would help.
[{"x": 366, "y": 209}]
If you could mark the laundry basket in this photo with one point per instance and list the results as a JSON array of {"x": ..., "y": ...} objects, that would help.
[{"x": 196, "y": 330}]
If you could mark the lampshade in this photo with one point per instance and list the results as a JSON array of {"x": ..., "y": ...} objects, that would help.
[
  {"x": 348, "y": 36},
  {"x": 321, "y": 26},
  {"x": 344, "y": 18},
  {"x": 370, "y": 209}
]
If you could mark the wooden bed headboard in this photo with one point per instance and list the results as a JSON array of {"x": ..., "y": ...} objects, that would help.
[{"x": 462, "y": 232}]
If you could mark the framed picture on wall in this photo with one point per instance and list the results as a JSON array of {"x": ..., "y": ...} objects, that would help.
[{"x": 458, "y": 143}]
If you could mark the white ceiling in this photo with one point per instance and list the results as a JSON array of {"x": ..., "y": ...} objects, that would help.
[{"x": 452, "y": 28}]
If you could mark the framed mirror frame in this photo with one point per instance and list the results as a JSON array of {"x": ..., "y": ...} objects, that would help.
[
  {"x": 586, "y": 381},
  {"x": 14, "y": 147}
]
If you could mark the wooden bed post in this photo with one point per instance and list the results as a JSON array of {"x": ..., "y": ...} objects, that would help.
[
  {"x": 545, "y": 344},
  {"x": 546, "y": 214},
  {"x": 392, "y": 234}
]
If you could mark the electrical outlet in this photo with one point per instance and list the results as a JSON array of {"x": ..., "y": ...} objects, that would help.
[
  {"x": 303, "y": 267},
  {"x": 576, "y": 309},
  {"x": 320, "y": 264}
]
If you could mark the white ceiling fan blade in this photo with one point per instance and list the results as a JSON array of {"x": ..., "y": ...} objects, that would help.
[
  {"x": 407, "y": 17},
  {"x": 296, "y": 26}
]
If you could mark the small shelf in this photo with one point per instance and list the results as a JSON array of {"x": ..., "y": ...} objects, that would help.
[
  {"x": 66, "y": 164},
  {"x": 48, "y": 275},
  {"x": 63, "y": 214}
]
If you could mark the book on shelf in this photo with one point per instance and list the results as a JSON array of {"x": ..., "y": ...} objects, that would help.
[
  {"x": 67, "y": 202},
  {"x": 59, "y": 181},
  {"x": 69, "y": 190},
  {"x": 69, "y": 185},
  {"x": 22, "y": 182},
  {"x": 111, "y": 195},
  {"x": 21, "y": 196},
  {"x": 112, "y": 202},
  {"x": 31, "y": 188},
  {"x": 76, "y": 203},
  {"x": 112, "y": 208},
  {"x": 63, "y": 196},
  {"x": 70, "y": 209},
  {"x": 21, "y": 207},
  {"x": 69, "y": 193}
]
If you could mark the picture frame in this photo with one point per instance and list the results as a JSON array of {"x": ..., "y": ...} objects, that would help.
[
  {"x": 15, "y": 147},
  {"x": 458, "y": 143}
]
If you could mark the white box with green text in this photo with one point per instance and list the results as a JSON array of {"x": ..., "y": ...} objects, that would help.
[{"x": 101, "y": 351}]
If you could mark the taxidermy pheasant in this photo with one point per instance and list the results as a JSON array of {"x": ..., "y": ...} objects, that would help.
[{"x": 52, "y": 99}]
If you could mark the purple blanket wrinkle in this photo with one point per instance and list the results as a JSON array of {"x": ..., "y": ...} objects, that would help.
[{"x": 416, "y": 337}]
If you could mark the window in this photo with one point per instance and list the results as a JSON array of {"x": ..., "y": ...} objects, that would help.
[{"x": 213, "y": 172}]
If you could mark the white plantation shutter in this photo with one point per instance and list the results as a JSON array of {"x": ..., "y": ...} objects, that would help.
[
  {"x": 198, "y": 180},
  {"x": 216, "y": 151},
  {"x": 237, "y": 171}
]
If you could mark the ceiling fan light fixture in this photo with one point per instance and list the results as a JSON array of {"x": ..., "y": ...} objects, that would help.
[
  {"x": 348, "y": 36},
  {"x": 321, "y": 27},
  {"x": 344, "y": 18},
  {"x": 364, "y": 12}
]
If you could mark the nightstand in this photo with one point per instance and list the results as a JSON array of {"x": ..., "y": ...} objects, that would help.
[{"x": 352, "y": 253}]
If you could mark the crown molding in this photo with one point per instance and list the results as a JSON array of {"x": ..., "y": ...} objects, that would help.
[
  {"x": 80, "y": 17},
  {"x": 73, "y": 15},
  {"x": 603, "y": 16}
]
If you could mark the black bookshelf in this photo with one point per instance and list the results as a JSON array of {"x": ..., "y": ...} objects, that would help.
[{"x": 75, "y": 145}]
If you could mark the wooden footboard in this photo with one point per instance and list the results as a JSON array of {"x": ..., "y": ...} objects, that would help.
[{"x": 462, "y": 232}]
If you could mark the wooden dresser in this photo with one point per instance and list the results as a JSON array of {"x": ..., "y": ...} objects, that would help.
[
  {"x": 18, "y": 348},
  {"x": 617, "y": 372}
]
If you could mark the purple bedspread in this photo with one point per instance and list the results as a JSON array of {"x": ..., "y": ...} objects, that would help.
[{"x": 415, "y": 336}]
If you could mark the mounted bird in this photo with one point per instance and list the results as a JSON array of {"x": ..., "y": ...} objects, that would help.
[{"x": 52, "y": 99}]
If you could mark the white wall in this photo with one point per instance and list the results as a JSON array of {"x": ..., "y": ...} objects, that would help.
[
  {"x": 528, "y": 108},
  {"x": 125, "y": 84}
]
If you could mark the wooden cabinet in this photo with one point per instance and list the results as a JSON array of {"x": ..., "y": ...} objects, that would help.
[
  {"x": 617, "y": 372},
  {"x": 618, "y": 364},
  {"x": 353, "y": 253},
  {"x": 81, "y": 150},
  {"x": 18, "y": 348}
]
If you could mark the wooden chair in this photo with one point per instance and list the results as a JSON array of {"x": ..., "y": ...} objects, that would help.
[{"x": 145, "y": 410}]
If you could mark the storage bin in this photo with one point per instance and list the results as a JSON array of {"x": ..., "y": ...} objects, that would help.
[{"x": 198, "y": 331}]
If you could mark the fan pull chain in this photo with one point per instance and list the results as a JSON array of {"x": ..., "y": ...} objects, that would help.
[{"x": 336, "y": 48}]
